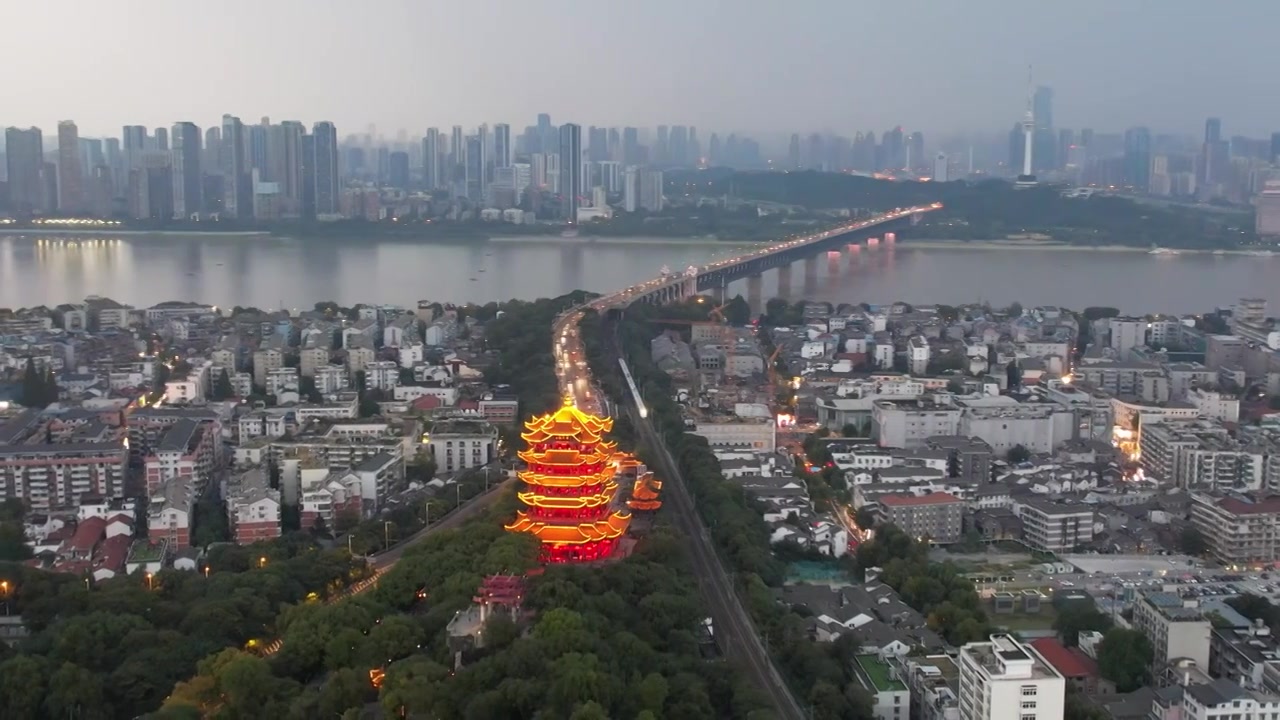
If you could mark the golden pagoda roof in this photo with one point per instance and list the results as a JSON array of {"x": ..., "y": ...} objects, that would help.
[
  {"x": 644, "y": 493},
  {"x": 566, "y": 457},
  {"x": 535, "y": 499},
  {"x": 568, "y": 421},
  {"x": 554, "y": 534},
  {"x": 529, "y": 477}
]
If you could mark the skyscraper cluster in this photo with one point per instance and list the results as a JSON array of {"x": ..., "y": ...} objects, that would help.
[{"x": 263, "y": 171}]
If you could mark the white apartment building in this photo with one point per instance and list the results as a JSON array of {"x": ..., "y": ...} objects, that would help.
[
  {"x": 1177, "y": 629},
  {"x": 760, "y": 435},
  {"x": 1003, "y": 679},
  {"x": 381, "y": 375},
  {"x": 282, "y": 380},
  {"x": 1223, "y": 699},
  {"x": 461, "y": 444},
  {"x": 1054, "y": 527},
  {"x": 330, "y": 379}
]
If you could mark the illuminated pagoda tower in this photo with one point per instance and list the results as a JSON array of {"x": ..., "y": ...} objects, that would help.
[{"x": 569, "y": 487}]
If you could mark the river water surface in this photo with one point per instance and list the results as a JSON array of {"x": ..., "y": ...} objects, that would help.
[{"x": 271, "y": 272}]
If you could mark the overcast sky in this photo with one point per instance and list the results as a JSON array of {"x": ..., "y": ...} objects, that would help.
[{"x": 761, "y": 66}]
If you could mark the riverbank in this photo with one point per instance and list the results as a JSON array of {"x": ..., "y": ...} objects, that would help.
[
  {"x": 1055, "y": 247},
  {"x": 625, "y": 240},
  {"x": 108, "y": 232}
]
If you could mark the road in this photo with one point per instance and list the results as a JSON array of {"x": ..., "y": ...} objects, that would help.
[
  {"x": 733, "y": 629},
  {"x": 385, "y": 560}
]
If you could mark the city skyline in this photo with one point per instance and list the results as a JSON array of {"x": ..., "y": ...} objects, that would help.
[{"x": 729, "y": 67}]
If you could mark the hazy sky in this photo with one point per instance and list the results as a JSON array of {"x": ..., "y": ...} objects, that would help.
[{"x": 751, "y": 65}]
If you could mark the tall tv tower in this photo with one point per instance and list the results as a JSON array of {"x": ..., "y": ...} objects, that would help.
[{"x": 1027, "y": 179}]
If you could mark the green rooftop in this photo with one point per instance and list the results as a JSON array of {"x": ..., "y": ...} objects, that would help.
[
  {"x": 876, "y": 673},
  {"x": 144, "y": 551}
]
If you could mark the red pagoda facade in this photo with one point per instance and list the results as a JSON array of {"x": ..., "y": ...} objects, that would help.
[{"x": 569, "y": 487}]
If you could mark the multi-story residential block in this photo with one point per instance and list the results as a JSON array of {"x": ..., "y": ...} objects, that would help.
[
  {"x": 910, "y": 422},
  {"x": 49, "y": 476},
  {"x": 253, "y": 507},
  {"x": 358, "y": 357},
  {"x": 1178, "y": 629},
  {"x": 933, "y": 682},
  {"x": 890, "y": 699},
  {"x": 1203, "y": 454},
  {"x": 969, "y": 457},
  {"x": 313, "y": 357},
  {"x": 148, "y": 425},
  {"x": 1055, "y": 527},
  {"x": 460, "y": 444},
  {"x": 331, "y": 379},
  {"x": 1141, "y": 380},
  {"x": 187, "y": 450},
  {"x": 282, "y": 380},
  {"x": 335, "y": 494},
  {"x": 194, "y": 387},
  {"x": 1239, "y": 529},
  {"x": 381, "y": 375},
  {"x": 171, "y": 511},
  {"x": 268, "y": 422},
  {"x": 265, "y": 360},
  {"x": 936, "y": 517},
  {"x": 1222, "y": 699},
  {"x": 1003, "y": 679}
]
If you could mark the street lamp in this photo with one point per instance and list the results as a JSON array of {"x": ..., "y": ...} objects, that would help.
[
  {"x": 426, "y": 513},
  {"x": 150, "y": 585},
  {"x": 262, "y": 561},
  {"x": 386, "y": 532}
]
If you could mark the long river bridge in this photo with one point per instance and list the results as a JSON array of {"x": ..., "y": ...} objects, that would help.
[{"x": 732, "y": 627}]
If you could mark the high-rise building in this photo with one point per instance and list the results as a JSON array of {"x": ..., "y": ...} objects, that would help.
[
  {"x": 1213, "y": 130},
  {"x": 678, "y": 145},
  {"x": 115, "y": 163},
  {"x": 484, "y": 162},
  {"x": 236, "y": 202},
  {"x": 326, "y": 168},
  {"x": 284, "y": 164},
  {"x": 473, "y": 168},
  {"x": 431, "y": 161},
  {"x": 631, "y": 146},
  {"x": 398, "y": 171},
  {"x": 1137, "y": 158},
  {"x": 662, "y": 150},
  {"x": 258, "y": 151},
  {"x": 24, "y": 161},
  {"x": 941, "y": 171},
  {"x": 70, "y": 169},
  {"x": 570, "y": 169},
  {"x": 188, "y": 182},
  {"x": 1042, "y": 107},
  {"x": 651, "y": 190},
  {"x": 502, "y": 155},
  {"x": 1275, "y": 148},
  {"x": 211, "y": 159},
  {"x": 308, "y": 174},
  {"x": 631, "y": 189},
  {"x": 457, "y": 156},
  {"x": 598, "y": 144},
  {"x": 134, "y": 143},
  {"x": 161, "y": 140},
  {"x": 915, "y": 152},
  {"x": 1004, "y": 679}
]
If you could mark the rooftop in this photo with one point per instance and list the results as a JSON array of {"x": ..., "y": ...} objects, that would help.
[
  {"x": 935, "y": 498},
  {"x": 877, "y": 675}
]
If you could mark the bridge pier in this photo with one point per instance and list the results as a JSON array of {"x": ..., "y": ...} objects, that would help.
[
  {"x": 755, "y": 289},
  {"x": 811, "y": 274},
  {"x": 784, "y": 282}
]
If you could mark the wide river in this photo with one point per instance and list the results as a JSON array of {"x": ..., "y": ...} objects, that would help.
[{"x": 271, "y": 272}]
